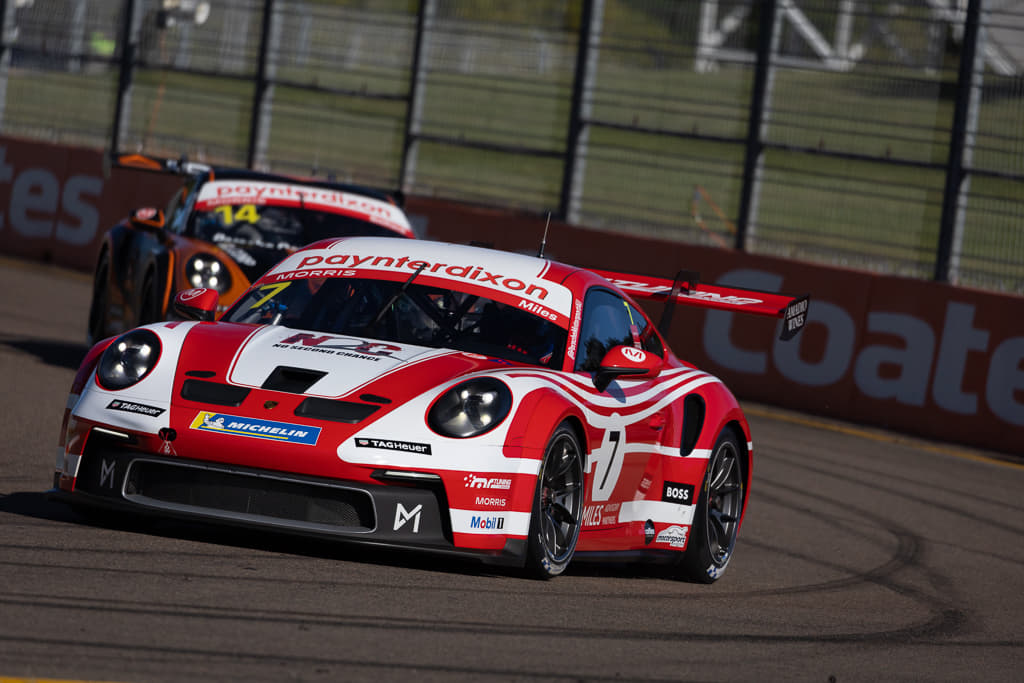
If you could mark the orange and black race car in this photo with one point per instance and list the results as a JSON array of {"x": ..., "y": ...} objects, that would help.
[{"x": 222, "y": 229}]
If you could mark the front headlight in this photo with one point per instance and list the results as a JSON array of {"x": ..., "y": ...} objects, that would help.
[
  {"x": 203, "y": 270},
  {"x": 471, "y": 408},
  {"x": 129, "y": 359}
]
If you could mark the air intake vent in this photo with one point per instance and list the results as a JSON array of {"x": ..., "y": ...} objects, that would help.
[
  {"x": 213, "y": 392},
  {"x": 234, "y": 494},
  {"x": 336, "y": 411},
  {"x": 292, "y": 380}
]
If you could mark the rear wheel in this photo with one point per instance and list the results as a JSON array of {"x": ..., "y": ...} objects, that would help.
[
  {"x": 716, "y": 518},
  {"x": 99, "y": 308},
  {"x": 557, "y": 506}
]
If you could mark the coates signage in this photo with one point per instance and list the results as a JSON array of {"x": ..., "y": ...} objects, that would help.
[
  {"x": 931, "y": 359},
  {"x": 221, "y": 192},
  {"x": 51, "y": 198},
  {"x": 57, "y": 202},
  {"x": 514, "y": 280}
]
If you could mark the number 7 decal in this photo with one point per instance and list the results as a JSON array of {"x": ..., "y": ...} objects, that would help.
[{"x": 606, "y": 466}]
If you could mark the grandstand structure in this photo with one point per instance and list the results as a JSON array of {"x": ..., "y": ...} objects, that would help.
[{"x": 839, "y": 46}]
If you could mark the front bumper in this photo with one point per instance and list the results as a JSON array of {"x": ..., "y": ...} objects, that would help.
[{"x": 404, "y": 515}]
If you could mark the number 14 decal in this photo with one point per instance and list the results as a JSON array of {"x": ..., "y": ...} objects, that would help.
[{"x": 606, "y": 463}]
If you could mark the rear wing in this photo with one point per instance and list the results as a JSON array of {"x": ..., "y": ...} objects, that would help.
[
  {"x": 182, "y": 166},
  {"x": 687, "y": 289}
]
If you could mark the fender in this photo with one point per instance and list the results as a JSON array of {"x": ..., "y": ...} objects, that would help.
[
  {"x": 85, "y": 370},
  {"x": 539, "y": 414},
  {"x": 731, "y": 418},
  {"x": 118, "y": 244}
]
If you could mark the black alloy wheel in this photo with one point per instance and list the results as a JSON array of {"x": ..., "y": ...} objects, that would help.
[
  {"x": 558, "y": 506},
  {"x": 716, "y": 518}
]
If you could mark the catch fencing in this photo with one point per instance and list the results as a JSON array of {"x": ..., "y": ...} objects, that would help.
[{"x": 886, "y": 136}]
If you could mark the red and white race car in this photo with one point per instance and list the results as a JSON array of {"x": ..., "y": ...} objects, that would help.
[{"x": 434, "y": 396}]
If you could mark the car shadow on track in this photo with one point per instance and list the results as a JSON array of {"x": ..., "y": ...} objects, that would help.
[
  {"x": 61, "y": 354},
  {"x": 36, "y": 505}
]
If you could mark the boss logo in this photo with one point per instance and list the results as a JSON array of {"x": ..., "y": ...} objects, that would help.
[{"x": 677, "y": 493}]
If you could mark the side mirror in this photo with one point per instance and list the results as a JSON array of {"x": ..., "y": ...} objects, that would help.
[
  {"x": 626, "y": 361},
  {"x": 196, "y": 304},
  {"x": 147, "y": 218}
]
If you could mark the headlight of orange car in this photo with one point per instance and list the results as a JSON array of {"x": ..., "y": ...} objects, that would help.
[{"x": 203, "y": 270}]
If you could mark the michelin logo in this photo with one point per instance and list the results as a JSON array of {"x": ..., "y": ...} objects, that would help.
[{"x": 206, "y": 421}]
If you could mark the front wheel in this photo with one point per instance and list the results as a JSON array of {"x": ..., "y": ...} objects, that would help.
[
  {"x": 557, "y": 506},
  {"x": 716, "y": 518}
]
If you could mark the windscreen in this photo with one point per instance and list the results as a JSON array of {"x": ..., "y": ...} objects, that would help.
[{"x": 405, "y": 313}]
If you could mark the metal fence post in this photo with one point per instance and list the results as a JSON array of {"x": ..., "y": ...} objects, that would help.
[
  {"x": 753, "y": 158},
  {"x": 263, "y": 88},
  {"x": 578, "y": 135},
  {"x": 954, "y": 195},
  {"x": 414, "y": 102},
  {"x": 6, "y": 19},
  {"x": 123, "y": 104}
]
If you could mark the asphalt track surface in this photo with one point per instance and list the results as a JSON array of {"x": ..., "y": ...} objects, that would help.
[{"x": 865, "y": 556}]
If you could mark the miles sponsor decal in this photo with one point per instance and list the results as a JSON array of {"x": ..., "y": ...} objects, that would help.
[
  {"x": 137, "y": 408},
  {"x": 206, "y": 421},
  {"x": 391, "y": 445},
  {"x": 598, "y": 515}
]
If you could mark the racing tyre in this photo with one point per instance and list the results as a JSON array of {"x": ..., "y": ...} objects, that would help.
[
  {"x": 98, "y": 309},
  {"x": 716, "y": 519},
  {"x": 557, "y": 506}
]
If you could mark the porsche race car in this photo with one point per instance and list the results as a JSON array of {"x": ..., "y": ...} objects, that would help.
[
  {"x": 222, "y": 229},
  {"x": 439, "y": 397}
]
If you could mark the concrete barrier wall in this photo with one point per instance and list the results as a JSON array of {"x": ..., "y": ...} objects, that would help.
[{"x": 924, "y": 358}]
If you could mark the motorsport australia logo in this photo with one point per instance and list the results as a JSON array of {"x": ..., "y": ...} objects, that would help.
[{"x": 206, "y": 421}]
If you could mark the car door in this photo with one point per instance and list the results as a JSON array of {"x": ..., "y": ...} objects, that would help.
[{"x": 626, "y": 418}]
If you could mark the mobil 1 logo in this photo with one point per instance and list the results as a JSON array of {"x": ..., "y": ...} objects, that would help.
[{"x": 672, "y": 492}]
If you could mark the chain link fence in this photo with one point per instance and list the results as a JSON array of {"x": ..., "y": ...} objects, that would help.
[{"x": 879, "y": 135}]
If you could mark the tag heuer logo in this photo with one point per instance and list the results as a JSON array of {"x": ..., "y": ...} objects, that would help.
[{"x": 392, "y": 445}]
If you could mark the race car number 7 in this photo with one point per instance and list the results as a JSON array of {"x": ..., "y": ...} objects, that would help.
[{"x": 606, "y": 463}]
